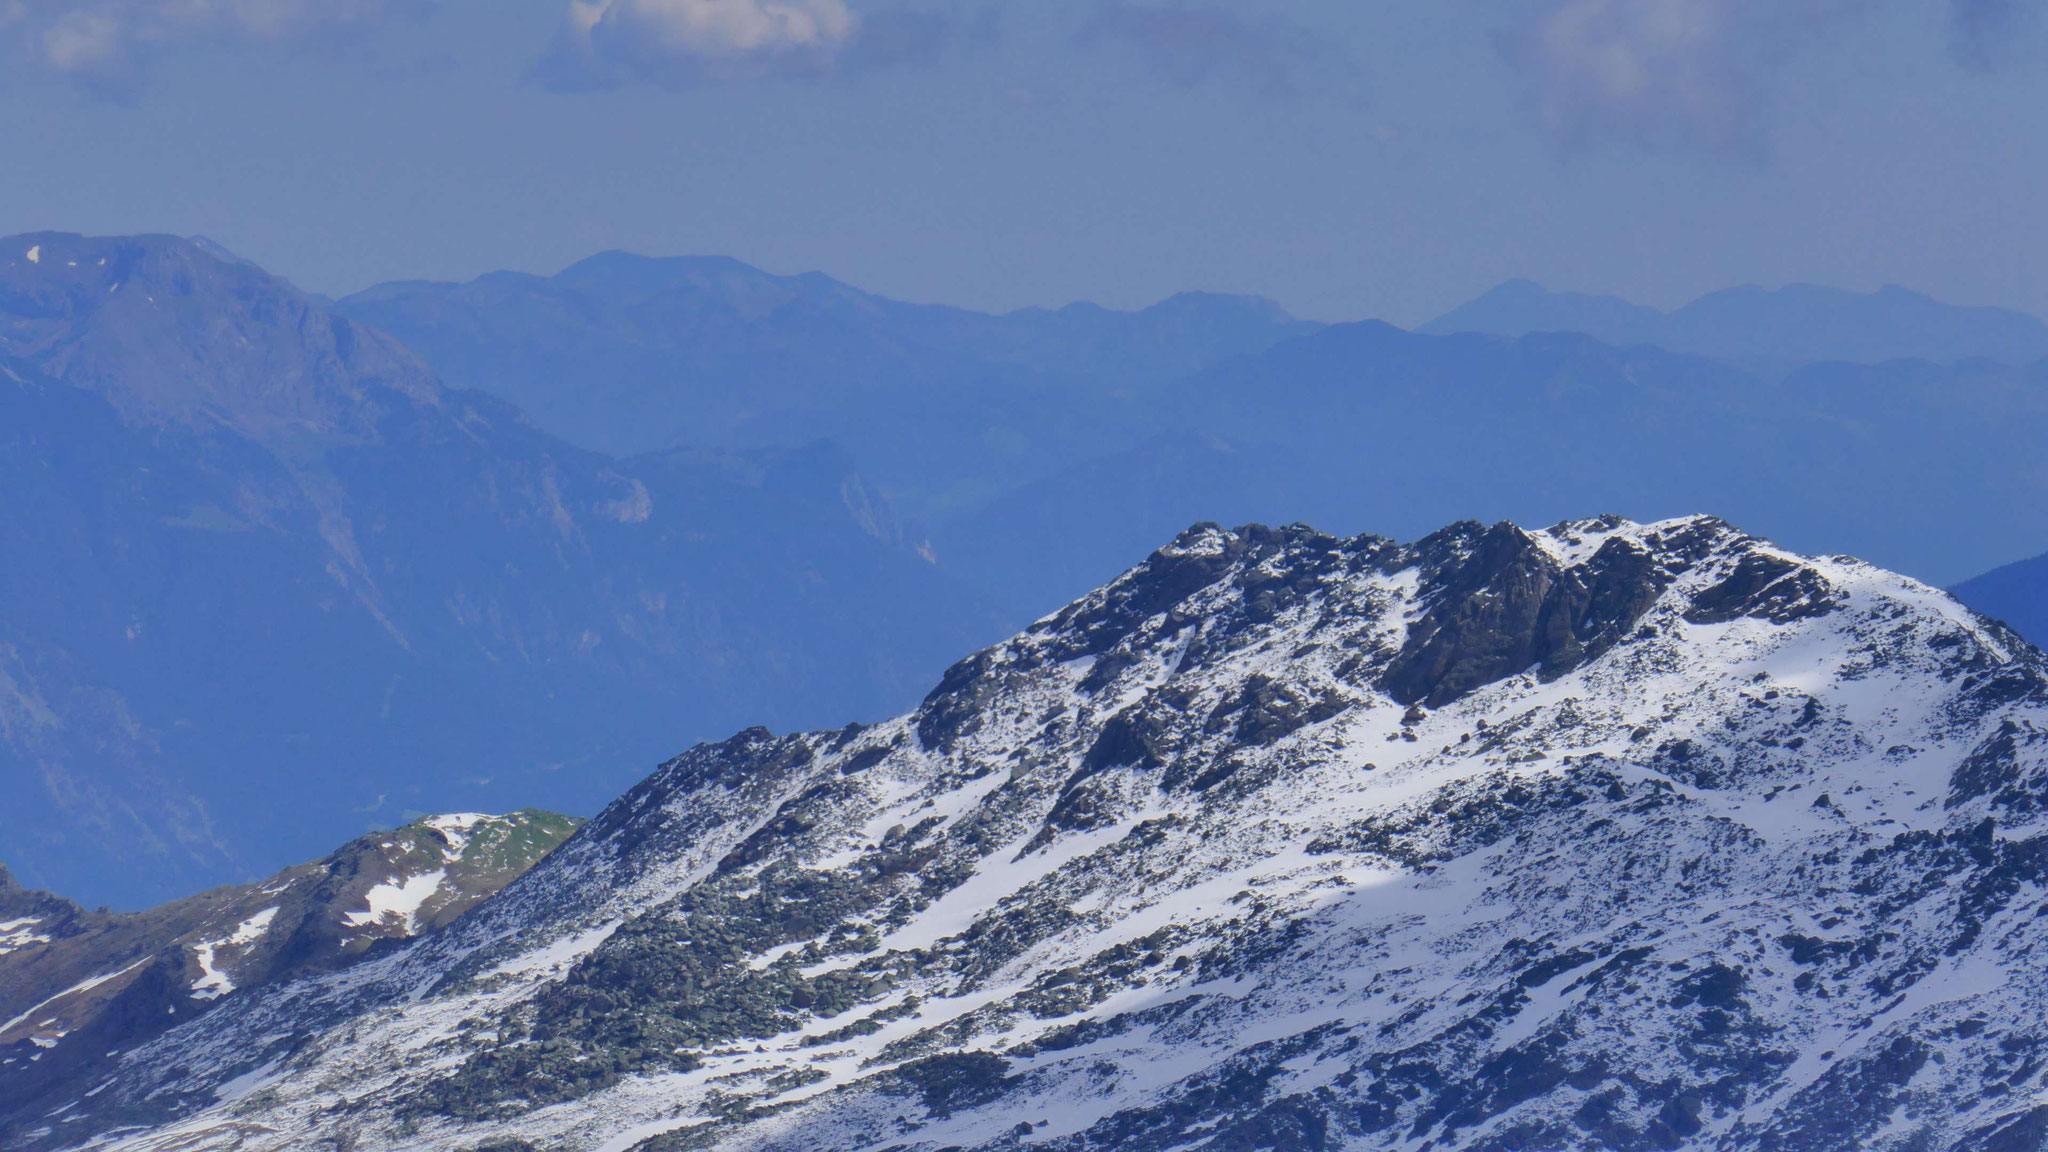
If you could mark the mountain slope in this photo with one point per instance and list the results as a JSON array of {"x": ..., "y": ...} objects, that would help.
[
  {"x": 1775, "y": 330},
  {"x": 628, "y": 354},
  {"x": 2015, "y": 593},
  {"x": 1613, "y": 836},
  {"x": 263, "y": 563},
  {"x": 76, "y": 984}
]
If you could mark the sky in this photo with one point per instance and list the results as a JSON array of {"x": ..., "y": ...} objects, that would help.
[{"x": 1347, "y": 158}]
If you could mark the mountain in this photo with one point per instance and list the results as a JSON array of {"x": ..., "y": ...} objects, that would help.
[
  {"x": 76, "y": 984},
  {"x": 1520, "y": 307},
  {"x": 270, "y": 582},
  {"x": 628, "y": 354},
  {"x": 1363, "y": 425},
  {"x": 1775, "y": 330},
  {"x": 1611, "y": 836},
  {"x": 2015, "y": 593},
  {"x": 1038, "y": 451}
]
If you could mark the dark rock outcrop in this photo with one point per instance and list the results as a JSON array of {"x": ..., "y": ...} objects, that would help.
[{"x": 1508, "y": 605}]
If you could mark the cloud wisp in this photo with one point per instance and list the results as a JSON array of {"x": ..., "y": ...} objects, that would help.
[
  {"x": 607, "y": 42},
  {"x": 1660, "y": 73},
  {"x": 1700, "y": 74},
  {"x": 685, "y": 43},
  {"x": 1193, "y": 45},
  {"x": 106, "y": 45}
]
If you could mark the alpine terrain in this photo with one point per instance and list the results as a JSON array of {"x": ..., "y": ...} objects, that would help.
[
  {"x": 1611, "y": 836},
  {"x": 75, "y": 984}
]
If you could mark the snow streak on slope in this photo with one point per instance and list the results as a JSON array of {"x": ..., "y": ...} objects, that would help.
[
  {"x": 1615, "y": 836},
  {"x": 83, "y": 986},
  {"x": 214, "y": 983}
]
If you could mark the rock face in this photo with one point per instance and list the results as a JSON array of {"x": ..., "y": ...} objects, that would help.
[
  {"x": 75, "y": 985},
  {"x": 1611, "y": 836},
  {"x": 1505, "y": 604}
]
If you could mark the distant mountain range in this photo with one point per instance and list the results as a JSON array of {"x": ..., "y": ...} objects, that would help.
[
  {"x": 1038, "y": 449},
  {"x": 627, "y": 354},
  {"x": 1771, "y": 330},
  {"x": 270, "y": 582},
  {"x": 1366, "y": 426}
]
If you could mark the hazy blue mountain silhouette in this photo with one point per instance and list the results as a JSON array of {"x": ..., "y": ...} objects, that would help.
[
  {"x": 1520, "y": 307},
  {"x": 270, "y": 582},
  {"x": 1367, "y": 426},
  {"x": 1043, "y": 449},
  {"x": 624, "y": 354},
  {"x": 2015, "y": 593},
  {"x": 1773, "y": 330}
]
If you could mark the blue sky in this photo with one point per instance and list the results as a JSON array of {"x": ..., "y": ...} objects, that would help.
[{"x": 1348, "y": 159}]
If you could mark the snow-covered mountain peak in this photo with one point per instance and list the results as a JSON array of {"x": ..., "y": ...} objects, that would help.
[{"x": 1612, "y": 835}]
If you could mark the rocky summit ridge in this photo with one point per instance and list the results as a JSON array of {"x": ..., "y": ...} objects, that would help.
[{"x": 1610, "y": 836}]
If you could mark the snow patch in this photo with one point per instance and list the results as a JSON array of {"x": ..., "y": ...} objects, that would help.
[
  {"x": 17, "y": 934},
  {"x": 457, "y": 828},
  {"x": 213, "y": 983},
  {"x": 398, "y": 898}
]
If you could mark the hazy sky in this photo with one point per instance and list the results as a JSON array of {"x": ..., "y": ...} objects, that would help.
[{"x": 1346, "y": 157}]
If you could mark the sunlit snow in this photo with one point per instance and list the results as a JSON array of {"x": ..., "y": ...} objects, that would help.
[
  {"x": 401, "y": 899},
  {"x": 213, "y": 982}
]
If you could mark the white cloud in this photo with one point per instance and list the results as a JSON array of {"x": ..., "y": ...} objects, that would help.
[
  {"x": 1661, "y": 72},
  {"x": 106, "y": 43},
  {"x": 679, "y": 42},
  {"x": 82, "y": 42}
]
